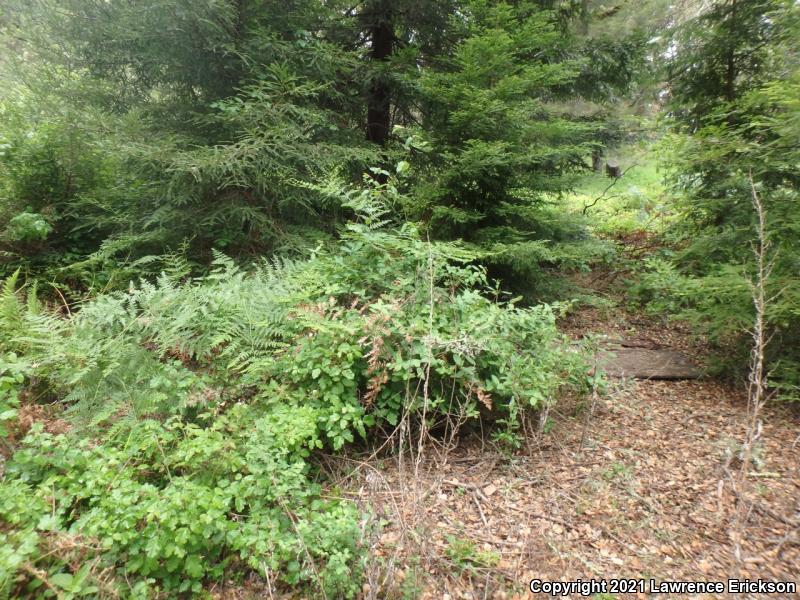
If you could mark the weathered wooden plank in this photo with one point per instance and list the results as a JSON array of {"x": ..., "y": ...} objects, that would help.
[{"x": 646, "y": 363}]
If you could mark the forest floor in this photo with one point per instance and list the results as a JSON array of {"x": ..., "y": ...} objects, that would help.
[{"x": 637, "y": 483}]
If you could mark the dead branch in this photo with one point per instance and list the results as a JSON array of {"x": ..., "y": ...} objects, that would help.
[
  {"x": 586, "y": 207},
  {"x": 756, "y": 393}
]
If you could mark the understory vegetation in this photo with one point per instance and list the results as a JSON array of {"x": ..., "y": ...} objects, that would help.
[
  {"x": 237, "y": 236},
  {"x": 733, "y": 140},
  {"x": 196, "y": 402}
]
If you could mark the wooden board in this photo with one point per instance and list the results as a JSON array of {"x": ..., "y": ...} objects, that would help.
[{"x": 646, "y": 363}]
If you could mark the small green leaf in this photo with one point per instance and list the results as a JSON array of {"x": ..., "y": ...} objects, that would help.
[{"x": 62, "y": 580}]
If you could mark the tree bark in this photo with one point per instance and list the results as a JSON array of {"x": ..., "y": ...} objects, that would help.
[
  {"x": 597, "y": 160},
  {"x": 730, "y": 74},
  {"x": 379, "y": 114},
  {"x": 584, "y": 18}
]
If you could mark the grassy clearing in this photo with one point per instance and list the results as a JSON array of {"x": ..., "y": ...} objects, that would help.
[{"x": 637, "y": 202}]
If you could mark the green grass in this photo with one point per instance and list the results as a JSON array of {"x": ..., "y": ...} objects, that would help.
[{"x": 637, "y": 202}]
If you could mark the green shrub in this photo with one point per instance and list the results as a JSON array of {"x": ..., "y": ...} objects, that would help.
[
  {"x": 198, "y": 403},
  {"x": 734, "y": 134},
  {"x": 172, "y": 504},
  {"x": 56, "y": 193},
  {"x": 27, "y": 227},
  {"x": 13, "y": 371},
  {"x": 719, "y": 304}
]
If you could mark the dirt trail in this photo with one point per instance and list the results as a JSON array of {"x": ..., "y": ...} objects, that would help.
[{"x": 640, "y": 488}]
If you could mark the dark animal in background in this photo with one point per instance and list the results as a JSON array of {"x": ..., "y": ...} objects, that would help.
[{"x": 613, "y": 169}]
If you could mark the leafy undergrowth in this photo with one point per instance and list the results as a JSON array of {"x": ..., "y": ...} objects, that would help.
[
  {"x": 196, "y": 409},
  {"x": 635, "y": 484}
]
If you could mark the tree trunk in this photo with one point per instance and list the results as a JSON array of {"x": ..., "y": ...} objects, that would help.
[
  {"x": 730, "y": 74},
  {"x": 584, "y": 18},
  {"x": 379, "y": 114},
  {"x": 597, "y": 160}
]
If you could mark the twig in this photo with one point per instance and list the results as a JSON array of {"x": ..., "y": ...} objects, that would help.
[
  {"x": 64, "y": 300},
  {"x": 41, "y": 576},
  {"x": 778, "y": 517},
  {"x": 479, "y": 493},
  {"x": 268, "y": 578},
  {"x": 428, "y": 362},
  {"x": 590, "y": 412},
  {"x": 788, "y": 540},
  {"x": 480, "y": 510},
  {"x": 756, "y": 395},
  {"x": 586, "y": 207}
]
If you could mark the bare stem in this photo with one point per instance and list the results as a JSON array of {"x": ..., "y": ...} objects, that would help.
[{"x": 756, "y": 396}]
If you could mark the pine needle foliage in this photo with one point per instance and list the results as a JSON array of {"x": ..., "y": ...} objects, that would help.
[{"x": 500, "y": 146}]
